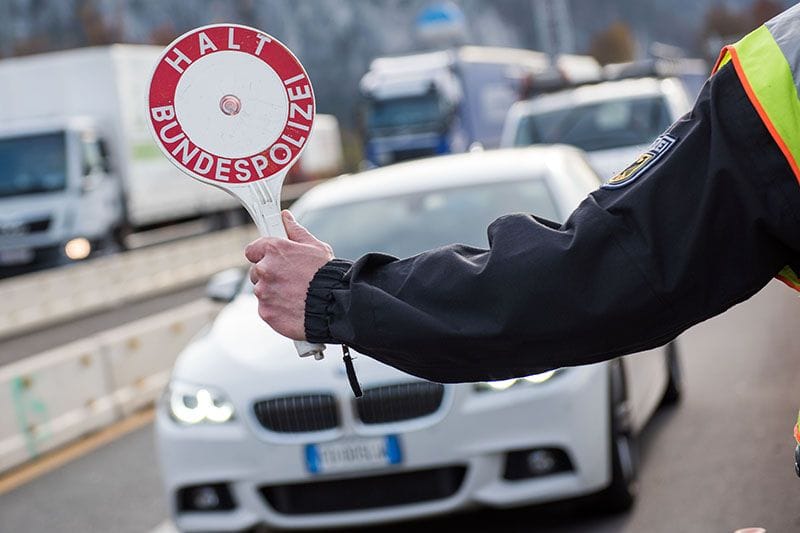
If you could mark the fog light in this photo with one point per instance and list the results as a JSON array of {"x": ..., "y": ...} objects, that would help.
[
  {"x": 541, "y": 462},
  {"x": 205, "y": 498},
  {"x": 536, "y": 462},
  {"x": 78, "y": 249}
]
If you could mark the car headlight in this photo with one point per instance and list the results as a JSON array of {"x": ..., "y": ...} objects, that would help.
[
  {"x": 535, "y": 379},
  {"x": 193, "y": 404}
]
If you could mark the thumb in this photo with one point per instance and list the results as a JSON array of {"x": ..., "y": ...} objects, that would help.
[{"x": 295, "y": 231}]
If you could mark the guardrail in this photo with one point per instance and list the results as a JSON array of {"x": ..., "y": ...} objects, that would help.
[
  {"x": 40, "y": 299},
  {"x": 60, "y": 395},
  {"x": 36, "y": 300},
  {"x": 57, "y": 396}
]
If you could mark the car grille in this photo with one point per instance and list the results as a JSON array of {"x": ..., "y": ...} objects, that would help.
[
  {"x": 403, "y": 401},
  {"x": 378, "y": 405},
  {"x": 366, "y": 492},
  {"x": 298, "y": 414},
  {"x": 38, "y": 226},
  {"x": 14, "y": 229}
]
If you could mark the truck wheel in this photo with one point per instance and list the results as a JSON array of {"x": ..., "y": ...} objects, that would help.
[
  {"x": 621, "y": 493},
  {"x": 119, "y": 236},
  {"x": 674, "y": 390},
  {"x": 109, "y": 245}
]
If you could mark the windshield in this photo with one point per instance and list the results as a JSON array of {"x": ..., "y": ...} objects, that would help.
[
  {"x": 599, "y": 126},
  {"x": 32, "y": 164},
  {"x": 411, "y": 112},
  {"x": 406, "y": 225}
]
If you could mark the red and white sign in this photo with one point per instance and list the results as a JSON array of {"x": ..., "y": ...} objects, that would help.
[{"x": 230, "y": 105}]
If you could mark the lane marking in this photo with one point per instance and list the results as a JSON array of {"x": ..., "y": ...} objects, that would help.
[{"x": 57, "y": 458}]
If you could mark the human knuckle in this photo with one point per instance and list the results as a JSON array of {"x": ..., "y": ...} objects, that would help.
[
  {"x": 270, "y": 315},
  {"x": 260, "y": 291},
  {"x": 260, "y": 270},
  {"x": 265, "y": 313}
]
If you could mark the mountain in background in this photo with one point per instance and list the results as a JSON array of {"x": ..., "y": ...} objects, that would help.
[{"x": 336, "y": 39}]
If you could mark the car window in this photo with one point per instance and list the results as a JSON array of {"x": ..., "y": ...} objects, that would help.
[
  {"x": 409, "y": 224},
  {"x": 598, "y": 126}
]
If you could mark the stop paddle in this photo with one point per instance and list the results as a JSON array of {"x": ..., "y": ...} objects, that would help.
[{"x": 232, "y": 107}]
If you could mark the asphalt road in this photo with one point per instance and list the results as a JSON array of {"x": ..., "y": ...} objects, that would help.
[{"x": 720, "y": 461}]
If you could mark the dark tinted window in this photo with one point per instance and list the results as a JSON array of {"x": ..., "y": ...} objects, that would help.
[
  {"x": 32, "y": 164},
  {"x": 598, "y": 126},
  {"x": 404, "y": 113}
]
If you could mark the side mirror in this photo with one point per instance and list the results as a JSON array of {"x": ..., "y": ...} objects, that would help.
[{"x": 224, "y": 286}]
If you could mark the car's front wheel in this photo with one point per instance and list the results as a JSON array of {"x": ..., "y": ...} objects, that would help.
[{"x": 621, "y": 492}]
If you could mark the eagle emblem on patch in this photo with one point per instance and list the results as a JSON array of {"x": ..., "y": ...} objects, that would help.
[{"x": 660, "y": 147}]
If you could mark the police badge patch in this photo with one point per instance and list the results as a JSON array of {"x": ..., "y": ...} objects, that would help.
[{"x": 660, "y": 147}]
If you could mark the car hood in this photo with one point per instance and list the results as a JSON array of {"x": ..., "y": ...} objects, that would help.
[
  {"x": 243, "y": 356},
  {"x": 609, "y": 163}
]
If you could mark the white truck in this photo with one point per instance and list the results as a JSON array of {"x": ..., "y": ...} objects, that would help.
[
  {"x": 455, "y": 100},
  {"x": 78, "y": 168}
]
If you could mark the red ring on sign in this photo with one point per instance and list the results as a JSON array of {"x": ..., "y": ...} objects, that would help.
[{"x": 177, "y": 58}]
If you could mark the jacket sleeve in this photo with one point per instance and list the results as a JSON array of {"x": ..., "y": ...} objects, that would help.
[{"x": 706, "y": 227}]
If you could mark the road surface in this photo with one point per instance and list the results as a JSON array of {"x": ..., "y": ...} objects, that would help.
[{"x": 721, "y": 460}]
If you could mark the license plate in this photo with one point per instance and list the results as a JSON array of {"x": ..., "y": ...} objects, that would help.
[
  {"x": 16, "y": 257},
  {"x": 353, "y": 454}
]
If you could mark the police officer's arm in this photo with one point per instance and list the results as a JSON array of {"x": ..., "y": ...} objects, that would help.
[{"x": 703, "y": 229}]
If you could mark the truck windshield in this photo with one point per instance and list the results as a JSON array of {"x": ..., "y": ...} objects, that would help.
[
  {"x": 597, "y": 126},
  {"x": 32, "y": 164},
  {"x": 423, "y": 112}
]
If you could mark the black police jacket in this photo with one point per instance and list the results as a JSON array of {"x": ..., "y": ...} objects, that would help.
[{"x": 674, "y": 242}]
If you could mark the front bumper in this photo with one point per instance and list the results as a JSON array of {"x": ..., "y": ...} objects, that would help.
[{"x": 462, "y": 450}]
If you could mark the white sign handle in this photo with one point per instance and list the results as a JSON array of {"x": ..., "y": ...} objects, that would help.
[{"x": 262, "y": 201}]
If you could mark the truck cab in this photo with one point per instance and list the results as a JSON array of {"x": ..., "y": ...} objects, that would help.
[
  {"x": 453, "y": 100},
  {"x": 411, "y": 104},
  {"x": 59, "y": 201}
]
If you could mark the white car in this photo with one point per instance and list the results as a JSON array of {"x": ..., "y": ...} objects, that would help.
[
  {"x": 614, "y": 121},
  {"x": 248, "y": 433}
]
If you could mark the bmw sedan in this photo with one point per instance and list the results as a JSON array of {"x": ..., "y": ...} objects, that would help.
[{"x": 249, "y": 434}]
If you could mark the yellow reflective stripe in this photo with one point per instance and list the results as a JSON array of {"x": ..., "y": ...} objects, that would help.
[
  {"x": 768, "y": 80},
  {"x": 788, "y": 276}
]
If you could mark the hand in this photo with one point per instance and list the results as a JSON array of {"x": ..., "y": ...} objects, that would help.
[{"x": 282, "y": 271}]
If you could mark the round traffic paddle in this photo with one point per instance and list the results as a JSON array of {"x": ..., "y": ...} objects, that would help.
[{"x": 232, "y": 107}]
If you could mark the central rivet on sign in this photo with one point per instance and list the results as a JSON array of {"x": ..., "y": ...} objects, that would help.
[{"x": 230, "y": 105}]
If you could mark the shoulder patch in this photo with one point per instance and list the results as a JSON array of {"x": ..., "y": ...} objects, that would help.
[{"x": 661, "y": 146}]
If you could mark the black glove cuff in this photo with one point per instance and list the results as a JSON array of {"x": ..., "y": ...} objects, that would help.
[{"x": 320, "y": 297}]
